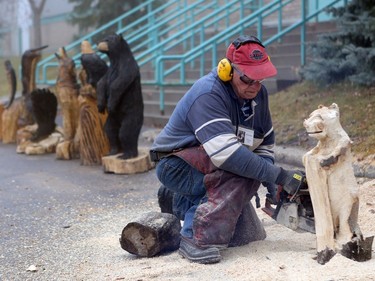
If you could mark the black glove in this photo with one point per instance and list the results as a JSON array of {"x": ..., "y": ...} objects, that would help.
[
  {"x": 271, "y": 192},
  {"x": 291, "y": 181}
]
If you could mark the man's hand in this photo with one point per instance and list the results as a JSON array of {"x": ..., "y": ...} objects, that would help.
[{"x": 292, "y": 180}]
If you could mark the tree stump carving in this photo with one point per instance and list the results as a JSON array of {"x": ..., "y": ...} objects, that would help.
[
  {"x": 93, "y": 142},
  {"x": 333, "y": 188},
  {"x": 67, "y": 94}
]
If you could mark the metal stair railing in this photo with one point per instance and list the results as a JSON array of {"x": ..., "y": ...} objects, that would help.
[
  {"x": 211, "y": 45},
  {"x": 180, "y": 19},
  {"x": 194, "y": 34},
  {"x": 152, "y": 17}
]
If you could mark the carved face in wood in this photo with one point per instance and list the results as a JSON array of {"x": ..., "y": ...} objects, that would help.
[{"x": 323, "y": 122}]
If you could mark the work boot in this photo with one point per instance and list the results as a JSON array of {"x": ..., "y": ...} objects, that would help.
[{"x": 197, "y": 254}]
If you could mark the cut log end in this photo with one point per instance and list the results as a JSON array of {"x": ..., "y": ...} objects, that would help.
[
  {"x": 139, "y": 164},
  {"x": 151, "y": 234},
  {"x": 139, "y": 240}
]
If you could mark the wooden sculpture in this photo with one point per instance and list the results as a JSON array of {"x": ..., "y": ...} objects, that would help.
[
  {"x": 29, "y": 60},
  {"x": 120, "y": 93},
  {"x": 44, "y": 135},
  {"x": 93, "y": 142},
  {"x": 18, "y": 112},
  {"x": 333, "y": 188},
  {"x": 67, "y": 94}
]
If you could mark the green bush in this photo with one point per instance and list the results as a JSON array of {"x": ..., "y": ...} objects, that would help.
[{"x": 349, "y": 53}]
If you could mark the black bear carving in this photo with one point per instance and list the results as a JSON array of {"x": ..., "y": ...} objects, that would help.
[
  {"x": 120, "y": 93},
  {"x": 44, "y": 110}
]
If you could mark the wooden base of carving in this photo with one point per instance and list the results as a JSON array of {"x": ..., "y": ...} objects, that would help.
[
  {"x": 67, "y": 150},
  {"x": 151, "y": 234},
  {"x": 23, "y": 136},
  {"x": 45, "y": 146},
  {"x": 140, "y": 164}
]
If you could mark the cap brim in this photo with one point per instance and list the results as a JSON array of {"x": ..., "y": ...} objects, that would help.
[{"x": 259, "y": 72}]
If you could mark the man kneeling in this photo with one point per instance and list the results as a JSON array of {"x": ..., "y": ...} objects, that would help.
[{"x": 217, "y": 149}]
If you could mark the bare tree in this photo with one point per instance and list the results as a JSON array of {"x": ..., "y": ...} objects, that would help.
[
  {"x": 36, "y": 17},
  {"x": 6, "y": 12}
]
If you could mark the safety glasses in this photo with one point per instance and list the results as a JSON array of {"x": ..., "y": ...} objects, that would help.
[{"x": 246, "y": 79}]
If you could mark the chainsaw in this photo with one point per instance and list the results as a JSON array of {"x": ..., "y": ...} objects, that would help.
[{"x": 293, "y": 211}]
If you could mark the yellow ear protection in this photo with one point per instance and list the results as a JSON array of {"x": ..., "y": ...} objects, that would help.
[
  {"x": 224, "y": 67},
  {"x": 224, "y": 70}
]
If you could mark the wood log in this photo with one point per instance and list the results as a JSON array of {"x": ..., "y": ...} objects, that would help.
[
  {"x": 139, "y": 164},
  {"x": 151, "y": 234}
]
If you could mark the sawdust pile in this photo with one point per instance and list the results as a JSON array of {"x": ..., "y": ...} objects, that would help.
[{"x": 283, "y": 255}]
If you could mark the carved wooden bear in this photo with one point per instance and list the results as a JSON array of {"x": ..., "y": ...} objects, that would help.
[
  {"x": 119, "y": 91},
  {"x": 333, "y": 187}
]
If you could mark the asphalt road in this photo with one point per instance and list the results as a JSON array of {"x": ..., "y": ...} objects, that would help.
[
  {"x": 50, "y": 208},
  {"x": 64, "y": 220}
]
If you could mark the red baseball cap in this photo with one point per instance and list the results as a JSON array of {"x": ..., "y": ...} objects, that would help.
[{"x": 250, "y": 56}]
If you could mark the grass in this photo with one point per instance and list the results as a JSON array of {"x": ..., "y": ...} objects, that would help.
[{"x": 290, "y": 107}]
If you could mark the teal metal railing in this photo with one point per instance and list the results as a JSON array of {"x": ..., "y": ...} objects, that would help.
[
  {"x": 170, "y": 11},
  {"x": 168, "y": 65},
  {"x": 195, "y": 34},
  {"x": 178, "y": 37}
]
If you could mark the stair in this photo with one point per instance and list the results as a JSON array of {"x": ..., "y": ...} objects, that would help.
[{"x": 285, "y": 55}]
